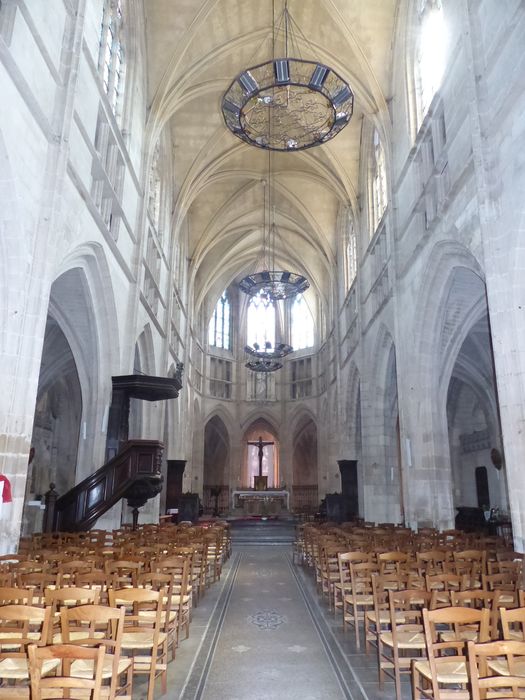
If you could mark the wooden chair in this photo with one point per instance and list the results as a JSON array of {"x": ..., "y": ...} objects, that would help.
[
  {"x": 124, "y": 572},
  {"x": 404, "y": 640},
  {"x": 65, "y": 683},
  {"x": 57, "y": 598},
  {"x": 513, "y": 623},
  {"x": 178, "y": 567},
  {"x": 471, "y": 563},
  {"x": 157, "y": 582},
  {"x": 143, "y": 637},
  {"x": 12, "y": 595},
  {"x": 441, "y": 585},
  {"x": 431, "y": 562},
  {"x": 497, "y": 669},
  {"x": 214, "y": 557},
  {"x": 378, "y": 619},
  {"x": 360, "y": 598},
  {"x": 28, "y": 566},
  {"x": 200, "y": 558},
  {"x": 343, "y": 584},
  {"x": 444, "y": 675},
  {"x": 20, "y": 626},
  {"x": 506, "y": 583},
  {"x": 392, "y": 562},
  {"x": 69, "y": 568},
  {"x": 97, "y": 580},
  {"x": 38, "y": 581},
  {"x": 189, "y": 553},
  {"x": 477, "y": 599},
  {"x": 329, "y": 571},
  {"x": 94, "y": 625},
  {"x": 505, "y": 566}
]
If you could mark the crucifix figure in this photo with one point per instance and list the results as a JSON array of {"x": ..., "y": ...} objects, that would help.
[{"x": 261, "y": 445}]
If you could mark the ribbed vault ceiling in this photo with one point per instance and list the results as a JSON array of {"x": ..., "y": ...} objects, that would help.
[{"x": 195, "y": 49}]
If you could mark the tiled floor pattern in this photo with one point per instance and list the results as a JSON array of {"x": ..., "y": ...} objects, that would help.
[{"x": 261, "y": 633}]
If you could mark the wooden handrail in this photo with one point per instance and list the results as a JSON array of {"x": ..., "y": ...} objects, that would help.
[{"x": 138, "y": 462}]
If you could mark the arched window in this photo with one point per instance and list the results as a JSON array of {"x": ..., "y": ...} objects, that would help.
[
  {"x": 261, "y": 321},
  {"x": 431, "y": 51},
  {"x": 219, "y": 331},
  {"x": 111, "y": 54},
  {"x": 350, "y": 251},
  {"x": 378, "y": 176},
  {"x": 302, "y": 324}
]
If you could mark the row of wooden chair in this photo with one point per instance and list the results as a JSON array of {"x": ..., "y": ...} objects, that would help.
[
  {"x": 384, "y": 593},
  {"x": 463, "y": 663},
  {"x": 204, "y": 558},
  {"x": 392, "y": 538},
  {"x": 137, "y": 608},
  {"x": 151, "y": 537}
]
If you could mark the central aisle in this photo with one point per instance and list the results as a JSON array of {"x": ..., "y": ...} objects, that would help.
[{"x": 262, "y": 641}]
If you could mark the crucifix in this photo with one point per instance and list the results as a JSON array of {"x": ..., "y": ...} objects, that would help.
[{"x": 261, "y": 445}]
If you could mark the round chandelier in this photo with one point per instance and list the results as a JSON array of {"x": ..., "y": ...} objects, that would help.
[
  {"x": 266, "y": 359},
  {"x": 274, "y": 285},
  {"x": 287, "y": 104}
]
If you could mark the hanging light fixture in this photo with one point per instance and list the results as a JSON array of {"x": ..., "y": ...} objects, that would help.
[
  {"x": 266, "y": 359},
  {"x": 287, "y": 104}
]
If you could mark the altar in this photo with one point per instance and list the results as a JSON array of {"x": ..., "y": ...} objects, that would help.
[{"x": 268, "y": 502}]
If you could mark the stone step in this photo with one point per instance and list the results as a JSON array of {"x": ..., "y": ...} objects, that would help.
[{"x": 262, "y": 532}]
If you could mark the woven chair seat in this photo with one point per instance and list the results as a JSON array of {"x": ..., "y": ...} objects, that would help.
[
  {"x": 405, "y": 640},
  {"x": 140, "y": 640},
  {"x": 18, "y": 669},
  {"x": 84, "y": 668},
  {"x": 449, "y": 671},
  {"x": 501, "y": 666}
]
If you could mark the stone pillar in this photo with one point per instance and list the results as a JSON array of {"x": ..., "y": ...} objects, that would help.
[{"x": 33, "y": 167}]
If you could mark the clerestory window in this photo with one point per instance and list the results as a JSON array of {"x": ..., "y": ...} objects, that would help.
[
  {"x": 431, "y": 52},
  {"x": 350, "y": 252},
  {"x": 111, "y": 53},
  {"x": 379, "y": 185},
  {"x": 261, "y": 321},
  {"x": 219, "y": 331},
  {"x": 302, "y": 324}
]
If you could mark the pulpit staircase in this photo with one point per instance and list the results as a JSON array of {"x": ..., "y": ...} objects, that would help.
[{"x": 134, "y": 473}]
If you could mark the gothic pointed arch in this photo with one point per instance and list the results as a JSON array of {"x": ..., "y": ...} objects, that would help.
[
  {"x": 304, "y": 463},
  {"x": 383, "y": 465},
  {"x": 260, "y": 428},
  {"x": 216, "y": 464},
  {"x": 72, "y": 389},
  {"x": 452, "y": 274}
]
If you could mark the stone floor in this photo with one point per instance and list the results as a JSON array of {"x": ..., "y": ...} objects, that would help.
[{"x": 262, "y": 634}]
